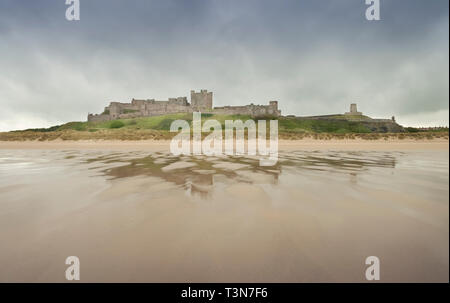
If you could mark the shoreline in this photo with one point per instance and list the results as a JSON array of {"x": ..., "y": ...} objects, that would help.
[{"x": 306, "y": 144}]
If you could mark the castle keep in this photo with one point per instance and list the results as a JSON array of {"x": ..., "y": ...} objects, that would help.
[{"x": 200, "y": 102}]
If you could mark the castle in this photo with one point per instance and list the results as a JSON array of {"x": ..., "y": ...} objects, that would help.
[{"x": 200, "y": 102}]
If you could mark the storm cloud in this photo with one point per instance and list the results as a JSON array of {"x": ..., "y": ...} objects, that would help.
[{"x": 313, "y": 56}]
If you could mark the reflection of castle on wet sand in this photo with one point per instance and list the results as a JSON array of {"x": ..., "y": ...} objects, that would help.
[{"x": 198, "y": 175}]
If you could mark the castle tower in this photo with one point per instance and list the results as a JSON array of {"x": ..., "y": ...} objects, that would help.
[
  {"x": 201, "y": 101},
  {"x": 353, "y": 110},
  {"x": 273, "y": 109}
]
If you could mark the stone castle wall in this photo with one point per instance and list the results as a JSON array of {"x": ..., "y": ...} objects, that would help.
[
  {"x": 251, "y": 110},
  {"x": 200, "y": 101},
  {"x": 98, "y": 118}
]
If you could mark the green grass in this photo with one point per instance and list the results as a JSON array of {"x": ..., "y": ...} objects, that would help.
[
  {"x": 80, "y": 126},
  {"x": 424, "y": 130},
  {"x": 157, "y": 127},
  {"x": 116, "y": 124},
  {"x": 321, "y": 126},
  {"x": 289, "y": 125}
]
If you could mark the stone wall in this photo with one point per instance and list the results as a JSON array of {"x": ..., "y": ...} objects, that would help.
[
  {"x": 251, "y": 110},
  {"x": 98, "y": 118}
]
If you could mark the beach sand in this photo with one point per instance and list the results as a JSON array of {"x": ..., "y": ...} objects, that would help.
[
  {"x": 132, "y": 212},
  {"x": 307, "y": 144}
]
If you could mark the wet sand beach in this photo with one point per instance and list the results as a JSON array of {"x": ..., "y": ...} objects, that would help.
[
  {"x": 132, "y": 212},
  {"x": 304, "y": 144}
]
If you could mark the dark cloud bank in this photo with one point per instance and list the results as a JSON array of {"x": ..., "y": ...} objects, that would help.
[{"x": 315, "y": 57}]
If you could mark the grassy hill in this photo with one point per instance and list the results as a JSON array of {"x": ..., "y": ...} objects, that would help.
[
  {"x": 163, "y": 123},
  {"x": 157, "y": 127}
]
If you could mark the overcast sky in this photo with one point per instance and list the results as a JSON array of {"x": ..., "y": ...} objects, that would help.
[{"x": 313, "y": 56}]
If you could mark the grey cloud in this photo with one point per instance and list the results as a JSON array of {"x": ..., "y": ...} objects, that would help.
[{"x": 313, "y": 56}]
